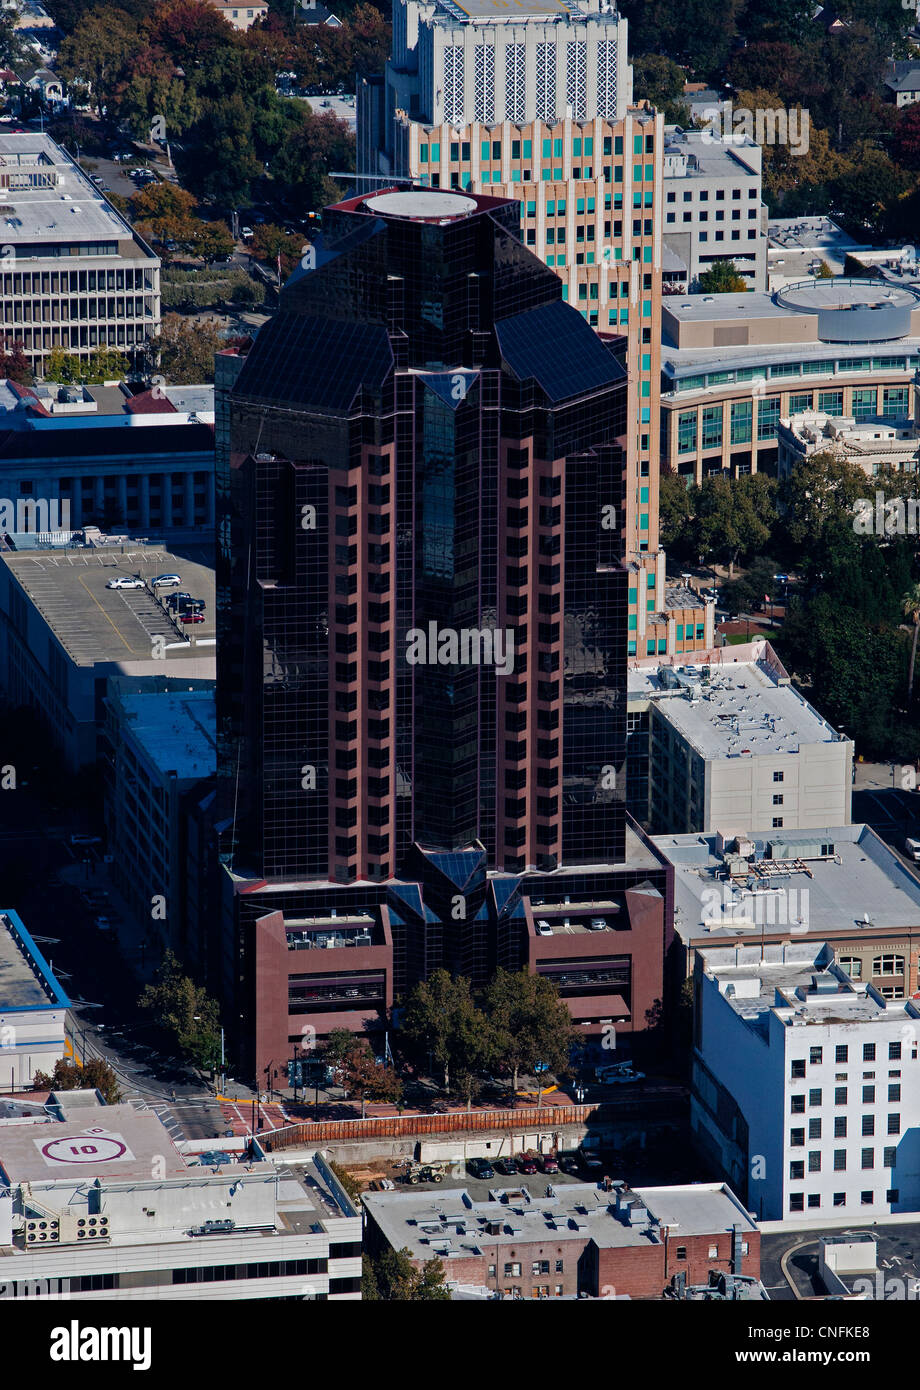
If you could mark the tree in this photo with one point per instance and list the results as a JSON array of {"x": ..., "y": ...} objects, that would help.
[
  {"x": 13, "y": 51},
  {"x": 907, "y": 137},
  {"x": 167, "y": 212},
  {"x": 675, "y": 512},
  {"x": 312, "y": 145},
  {"x": 733, "y": 516},
  {"x": 212, "y": 240},
  {"x": 98, "y": 53},
  {"x": 14, "y": 365},
  {"x": 185, "y": 1012},
  {"x": 367, "y": 1079},
  {"x": 910, "y": 607},
  {"x": 391, "y": 1277},
  {"x": 659, "y": 80},
  {"x": 531, "y": 1023},
  {"x": 93, "y": 1074},
  {"x": 103, "y": 364},
  {"x": 441, "y": 1018},
  {"x": 817, "y": 501},
  {"x": 269, "y": 242},
  {"x": 722, "y": 278},
  {"x": 184, "y": 351},
  {"x": 337, "y": 1047}
]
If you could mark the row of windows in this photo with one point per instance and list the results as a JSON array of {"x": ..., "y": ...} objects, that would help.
[
  {"x": 828, "y": 367},
  {"x": 842, "y": 1050},
  {"x": 212, "y": 1274},
  {"x": 551, "y": 148},
  {"x": 866, "y": 1199},
  {"x": 704, "y": 427},
  {"x": 703, "y": 195},
  {"x": 866, "y": 1162},
  {"x": 797, "y": 1106},
  {"x": 797, "y": 1136}
]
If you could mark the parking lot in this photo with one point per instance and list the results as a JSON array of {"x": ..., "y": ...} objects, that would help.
[{"x": 98, "y": 624}]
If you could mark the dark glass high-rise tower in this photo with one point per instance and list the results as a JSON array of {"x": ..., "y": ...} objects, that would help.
[
  {"x": 421, "y": 613},
  {"x": 422, "y": 599}
]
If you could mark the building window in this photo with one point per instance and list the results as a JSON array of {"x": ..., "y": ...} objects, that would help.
[
  {"x": 816, "y": 1057},
  {"x": 814, "y": 1129},
  {"x": 778, "y": 776},
  {"x": 867, "y": 1158},
  {"x": 797, "y": 1201},
  {"x": 840, "y": 1126},
  {"x": 777, "y": 822},
  {"x": 866, "y": 1198},
  {"x": 797, "y": 1138},
  {"x": 868, "y": 1095},
  {"x": 840, "y": 1095},
  {"x": 797, "y": 1069},
  {"x": 681, "y": 1252},
  {"x": 868, "y": 1125},
  {"x": 741, "y": 424},
  {"x": 840, "y": 1160},
  {"x": 512, "y": 1271},
  {"x": 894, "y": 1124},
  {"x": 851, "y": 965},
  {"x": 797, "y": 1105},
  {"x": 778, "y": 799},
  {"x": 894, "y": 1052},
  {"x": 814, "y": 1161},
  {"x": 686, "y": 432},
  {"x": 889, "y": 1157},
  {"x": 842, "y": 1053},
  {"x": 796, "y": 1171},
  {"x": 840, "y": 1199},
  {"x": 883, "y": 965},
  {"x": 894, "y": 1091}
]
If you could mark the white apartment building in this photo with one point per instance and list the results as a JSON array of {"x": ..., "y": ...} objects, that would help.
[
  {"x": 73, "y": 273},
  {"x": 96, "y": 1202},
  {"x": 713, "y": 204},
  {"x": 806, "y": 1084},
  {"x": 730, "y": 744}
]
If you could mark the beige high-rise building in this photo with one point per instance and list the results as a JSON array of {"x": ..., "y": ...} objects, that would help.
[{"x": 534, "y": 102}]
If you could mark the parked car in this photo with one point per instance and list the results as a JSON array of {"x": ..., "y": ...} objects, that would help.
[
  {"x": 165, "y": 581},
  {"x": 191, "y": 617},
  {"x": 568, "y": 1163},
  {"x": 103, "y": 924},
  {"x": 178, "y": 600},
  {"x": 507, "y": 1167},
  {"x": 125, "y": 581},
  {"x": 591, "y": 1165},
  {"x": 548, "y": 1164},
  {"x": 97, "y": 179},
  {"x": 246, "y": 233},
  {"x": 544, "y": 929},
  {"x": 480, "y": 1168},
  {"x": 618, "y": 1075},
  {"x": 527, "y": 1165}
]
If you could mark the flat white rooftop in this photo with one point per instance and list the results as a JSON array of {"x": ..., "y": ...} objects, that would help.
[
  {"x": 49, "y": 198},
  {"x": 858, "y": 887},
  {"x": 734, "y": 711}
]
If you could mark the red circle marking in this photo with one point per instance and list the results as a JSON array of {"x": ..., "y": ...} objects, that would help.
[{"x": 104, "y": 1149}]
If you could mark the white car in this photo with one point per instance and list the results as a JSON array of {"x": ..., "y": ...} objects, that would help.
[
  {"x": 166, "y": 581},
  {"x": 618, "y": 1075},
  {"x": 544, "y": 929},
  {"x": 125, "y": 581}
]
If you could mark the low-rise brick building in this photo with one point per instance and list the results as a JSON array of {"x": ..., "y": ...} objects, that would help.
[{"x": 601, "y": 1240}]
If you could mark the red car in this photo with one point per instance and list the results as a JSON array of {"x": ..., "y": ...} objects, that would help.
[
  {"x": 191, "y": 617},
  {"x": 527, "y": 1165},
  {"x": 548, "y": 1164}
]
